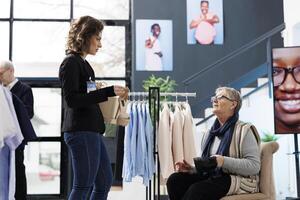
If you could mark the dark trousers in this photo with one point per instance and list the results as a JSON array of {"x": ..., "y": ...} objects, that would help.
[
  {"x": 91, "y": 165},
  {"x": 21, "y": 185},
  {"x": 186, "y": 186}
]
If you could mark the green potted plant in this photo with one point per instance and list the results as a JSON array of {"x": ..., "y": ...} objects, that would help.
[
  {"x": 164, "y": 84},
  {"x": 268, "y": 137}
]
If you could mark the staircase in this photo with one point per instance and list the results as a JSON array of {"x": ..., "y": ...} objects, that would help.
[
  {"x": 250, "y": 96},
  {"x": 243, "y": 81}
]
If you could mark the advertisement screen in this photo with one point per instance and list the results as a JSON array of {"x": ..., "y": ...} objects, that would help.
[{"x": 286, "y": 89}]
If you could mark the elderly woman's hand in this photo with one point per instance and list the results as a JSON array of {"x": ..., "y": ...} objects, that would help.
[
  {"x": 220, "y": 160},
  {"x": 183, "y": 167}
]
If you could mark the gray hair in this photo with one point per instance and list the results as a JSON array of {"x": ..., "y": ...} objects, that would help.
[
  {"x": 7, "y": 64},
  {"x": 232, "y": 94}
]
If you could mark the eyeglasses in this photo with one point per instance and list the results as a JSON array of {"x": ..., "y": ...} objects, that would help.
[
  {"x": 280, "y": 74},
  {"x": 218, "y": 98}
]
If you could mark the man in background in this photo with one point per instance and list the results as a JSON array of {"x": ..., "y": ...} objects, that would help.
[{"x": 24, "y": 93}]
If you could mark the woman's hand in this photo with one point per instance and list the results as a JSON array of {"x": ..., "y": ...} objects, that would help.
[
  {"x": 220, "y": 160},
  {"x": 159, "y": 54},
  {"x": 183, "y": 167},
  {"x": 121, "y": 91}
]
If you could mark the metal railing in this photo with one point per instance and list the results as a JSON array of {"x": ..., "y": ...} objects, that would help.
[
  {"x": 235, "y": 53},
  {"x": 243, "y": 97}
]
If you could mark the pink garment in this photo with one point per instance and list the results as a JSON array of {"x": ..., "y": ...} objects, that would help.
[{"x": 205, "y": 33}]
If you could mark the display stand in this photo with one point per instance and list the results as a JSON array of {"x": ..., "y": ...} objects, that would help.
[
  {"x": 154, "y": 107},
  {"x": 296, "y": 153},
  {"x": 154, "y": 94}
]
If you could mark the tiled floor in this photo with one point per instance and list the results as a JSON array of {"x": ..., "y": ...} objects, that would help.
[{"x": 130, "y": 191}]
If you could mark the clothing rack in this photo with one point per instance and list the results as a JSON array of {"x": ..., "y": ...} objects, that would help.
[
  {"x": 163, "y": 94},
  {"x": 154, "y": 95}
]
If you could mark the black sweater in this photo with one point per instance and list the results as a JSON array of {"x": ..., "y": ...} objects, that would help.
[
  {"x": 80, "y": 109},
  {"x": 24, "y": 93}
]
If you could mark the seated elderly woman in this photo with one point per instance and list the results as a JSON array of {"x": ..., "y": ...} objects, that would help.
[{"x": 234, "y": 147}]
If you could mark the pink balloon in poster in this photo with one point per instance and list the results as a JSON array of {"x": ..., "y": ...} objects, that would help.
[{"x": 205, "y": 33}]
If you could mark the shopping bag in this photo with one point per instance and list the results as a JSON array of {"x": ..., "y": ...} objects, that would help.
[{"x": 114, "y": 109}]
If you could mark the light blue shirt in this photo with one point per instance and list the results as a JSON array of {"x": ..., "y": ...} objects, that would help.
[
  {"x": 7, "y": 173},
  {"x": 138, "y": 144},
  {"x": 4, "y": 172},
  {"x": 150, "y": 166},
  {"x": 126, "y": 172},
  {"x": 134, "y": 135},
  {"x": 141, "y": 152}
]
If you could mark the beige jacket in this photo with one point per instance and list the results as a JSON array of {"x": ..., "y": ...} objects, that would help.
[
  {"x": 189, "y": 149},
  {"x": 164, "y": 141},
  {"x": 240, "y": 183},
  {"x": 177, "y": 133}
]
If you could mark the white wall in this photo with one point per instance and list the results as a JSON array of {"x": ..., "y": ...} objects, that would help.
[
  {"x": 258, "y": 109},
  {"x": 292, "y": 22}
]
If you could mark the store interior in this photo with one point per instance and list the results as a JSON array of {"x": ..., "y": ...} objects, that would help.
[{"x": 186, "y": 68}]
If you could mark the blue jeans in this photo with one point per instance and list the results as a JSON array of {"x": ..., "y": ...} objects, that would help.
[{"x": 91, "y": 165}]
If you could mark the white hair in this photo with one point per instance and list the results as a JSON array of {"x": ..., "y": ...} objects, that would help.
[
  {"x": 7, "y": 64},
  {"x": 234, "y": 95}
]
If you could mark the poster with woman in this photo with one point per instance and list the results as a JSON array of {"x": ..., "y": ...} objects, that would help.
[
  {"x": 205, "y": 22},
  {"x": 286, "y": 89},
  {"x": 154, "y": 45}
]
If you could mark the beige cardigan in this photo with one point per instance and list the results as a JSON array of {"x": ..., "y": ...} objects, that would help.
[
  {"x": 177, "y": 135},
  {"x": 240, "y": 184},
  {"x": 189, "y": 148},
  {"x": 164, "y": 137}
]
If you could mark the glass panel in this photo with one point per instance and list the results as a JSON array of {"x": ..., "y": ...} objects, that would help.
[
  {"x": 4, "y": 9},
  {"x": 42, "y": 9},
  {"x": 4, "y": 40},
  {"x": 110, "y": 60},
  {"x": 39, "y": 48},
  {"x": 47, "y": 111},
  {"x": 102, "y": 9},
  {"x": 42, "y": 160}
]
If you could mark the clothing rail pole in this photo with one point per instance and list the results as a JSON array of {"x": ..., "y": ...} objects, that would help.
[
  {"x": 156, "y": 113},
  {"x": 150, "y": 109},
  {"x": 156, "y": 146},
  {"x": 154, "y": 101},
  {"x": 181, "y": 94},
  {"x": 154, "y": 133}
]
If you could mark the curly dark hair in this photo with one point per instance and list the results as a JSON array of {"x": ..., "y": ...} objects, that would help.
[
  {"x": 204, "y": 2},
  {"x": 80, "y": 32},
  {"x": 153, "y": 25}
]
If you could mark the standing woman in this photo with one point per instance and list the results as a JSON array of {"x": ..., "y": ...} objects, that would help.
[{"x": 82, "y": 122}]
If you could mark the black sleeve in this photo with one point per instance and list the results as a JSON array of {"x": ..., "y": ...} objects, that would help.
[
  {"x": 70, "y": 80},
  {"x": 27, "y": 99},
  {"x": 109, "y": 91}
]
